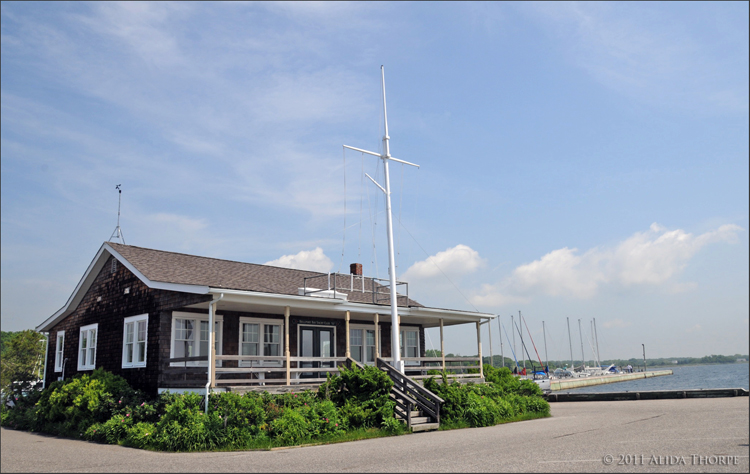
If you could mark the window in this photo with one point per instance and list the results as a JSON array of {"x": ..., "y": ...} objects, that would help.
[
  {"x": 260, "y": 337},
  {"x": 59, "y": 351},
  {"x": 87, "y": 347},
  {"x": 135, "y": 332},
  {"x": 190, "y": 335},
  {"x": 362, "y": 344},
  {"x": 410, "y": 344}
]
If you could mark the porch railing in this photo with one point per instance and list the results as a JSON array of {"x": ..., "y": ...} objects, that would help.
[
  {"x": 465, "y": 369},
  {"x": 272, "y": 370}
]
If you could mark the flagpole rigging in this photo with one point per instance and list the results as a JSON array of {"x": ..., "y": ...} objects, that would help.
[{"x": 386, "y": 157}]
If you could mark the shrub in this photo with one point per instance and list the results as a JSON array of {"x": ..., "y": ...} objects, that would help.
[
  {"x": 290, "y": 428},
  {"x": 184, "y": 426},
  {"x": 140, "y": 435},
  {"x": 71, "y": 406},
  {"x": 503, "y": 398},
  {"x": 245, "y": 411},
  {"x": 361, "y": 394},
  {"x": 393, "y": 426},
  {"x": 360, "y": 384}
]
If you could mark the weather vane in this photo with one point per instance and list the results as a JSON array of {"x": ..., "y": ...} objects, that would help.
[{"x": 117, "y": 234}]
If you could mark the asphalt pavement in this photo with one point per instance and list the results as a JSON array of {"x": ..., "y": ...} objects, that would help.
[{"x": 684, "y": 435}]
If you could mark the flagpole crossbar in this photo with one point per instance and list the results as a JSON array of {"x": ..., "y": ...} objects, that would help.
[{"x": 381, "y": 156}]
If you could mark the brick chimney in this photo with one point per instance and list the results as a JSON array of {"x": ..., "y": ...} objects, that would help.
[{"x": 355, "y": 269}]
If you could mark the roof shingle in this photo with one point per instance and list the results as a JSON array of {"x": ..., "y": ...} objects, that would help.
[{"x": 179, "y": 268}]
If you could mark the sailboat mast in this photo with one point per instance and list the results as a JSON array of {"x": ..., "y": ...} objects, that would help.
[
  {"x": 570, "y": 341},
  {"x": 596, "y": 337},
  {"x": 580, "y": 335},
  {"x": 520, "y": 321},
  {"x": 596, "y": 356},
  {"x": 546, "y": 357},
  {"x": 499, "y": 330},
  {"x": 514, "y": 338}
]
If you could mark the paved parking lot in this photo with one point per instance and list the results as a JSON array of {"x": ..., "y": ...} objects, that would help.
[{"x": 707, "y": 435}]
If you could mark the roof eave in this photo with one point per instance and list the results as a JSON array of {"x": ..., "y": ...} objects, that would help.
[
  {"x": 450, "y": 317},
  {"x": 93, "y": 271}
]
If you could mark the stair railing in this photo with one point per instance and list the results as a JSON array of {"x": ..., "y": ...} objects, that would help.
[{"x": 412, "y": 393}]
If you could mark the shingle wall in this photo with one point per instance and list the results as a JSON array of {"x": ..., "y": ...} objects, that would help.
[{"x": 107, "y": 304}]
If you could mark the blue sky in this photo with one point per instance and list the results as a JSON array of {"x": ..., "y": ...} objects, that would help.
[{"x": 581, "y": 160}]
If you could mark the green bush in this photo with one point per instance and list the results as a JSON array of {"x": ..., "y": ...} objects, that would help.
[
  {"x": 361, "y": 394},
  {"x": 504, "y": 398},
  {"x": 360, "y": 384},
  {"x": 71, "y": 406},
  {"x": 244, "y": 411},
  {"x": 140, "y": 435},
  {"x": 393, "y": 426},
  {"x": 291, "y": 428}
]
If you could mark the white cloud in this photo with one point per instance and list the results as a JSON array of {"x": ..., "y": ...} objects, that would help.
[
  {"x": 561, "y": 272},
  {"x": 452, "y": 262},
  {"x": 313, "y": 260},
  {"x": 654, "y": 256},
  {"x": 652, "y": 53},
  {"x": 651, "y": 258}
]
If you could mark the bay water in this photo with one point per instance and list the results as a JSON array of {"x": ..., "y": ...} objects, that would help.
[{"x": 684, "y": 377}]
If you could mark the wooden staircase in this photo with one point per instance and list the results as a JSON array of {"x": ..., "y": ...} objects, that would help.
[{"x": 415, "y": 405}]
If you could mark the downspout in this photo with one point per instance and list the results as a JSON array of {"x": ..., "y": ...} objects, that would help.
[
  {"x": 46, "y": 353},
  {"x": 211, "y": 345}
]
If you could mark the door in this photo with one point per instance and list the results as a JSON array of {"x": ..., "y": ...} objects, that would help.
[{"x": 316, "y": 342}]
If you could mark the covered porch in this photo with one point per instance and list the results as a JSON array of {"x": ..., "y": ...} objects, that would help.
[{"x": 316, "y": 336}]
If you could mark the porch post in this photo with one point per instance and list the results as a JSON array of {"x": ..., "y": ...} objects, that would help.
[
  {"x": 211, "y": 366},
  {"x": 489, "y": 333},
  {"x": 479, "y": 346},
  {"x": 287, "y": 352},
  {"x": 442, "y": 343},
  {"x": 377, "y": 337},
  {"x": 348, "y": 349},
  {"x": 211, "y": 347}
]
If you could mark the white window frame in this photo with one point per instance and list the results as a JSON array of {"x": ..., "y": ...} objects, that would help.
[
  {"x": 364, "y": 327},
  {"x": 88, "y": 364},
  {"x": 59, "y": 352},
  {"x": 402, "y": 343},
  {"x": 134, "y": 320},
  {"x": 197, "y": 317},
  {"x": 262, "y": 323}
]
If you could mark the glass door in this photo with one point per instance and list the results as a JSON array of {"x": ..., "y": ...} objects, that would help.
[{"x": 316, "y": 342}]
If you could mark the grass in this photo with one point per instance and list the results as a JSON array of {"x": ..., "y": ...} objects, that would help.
[{"x": 444, "y": 426}]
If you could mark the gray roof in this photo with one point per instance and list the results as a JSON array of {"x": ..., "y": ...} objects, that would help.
[{"x": 179, "y": 268}]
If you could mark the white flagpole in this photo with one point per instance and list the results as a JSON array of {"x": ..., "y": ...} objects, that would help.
[{"x": 386, "y": 157}]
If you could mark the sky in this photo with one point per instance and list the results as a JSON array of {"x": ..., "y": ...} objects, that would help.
[{"x": 578, "y": 161}]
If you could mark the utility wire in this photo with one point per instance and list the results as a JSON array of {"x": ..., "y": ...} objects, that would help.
[{"x": 441, "y": 270}]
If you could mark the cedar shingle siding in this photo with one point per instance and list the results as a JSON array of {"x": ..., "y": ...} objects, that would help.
[{"x": 109, "y": 313}]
